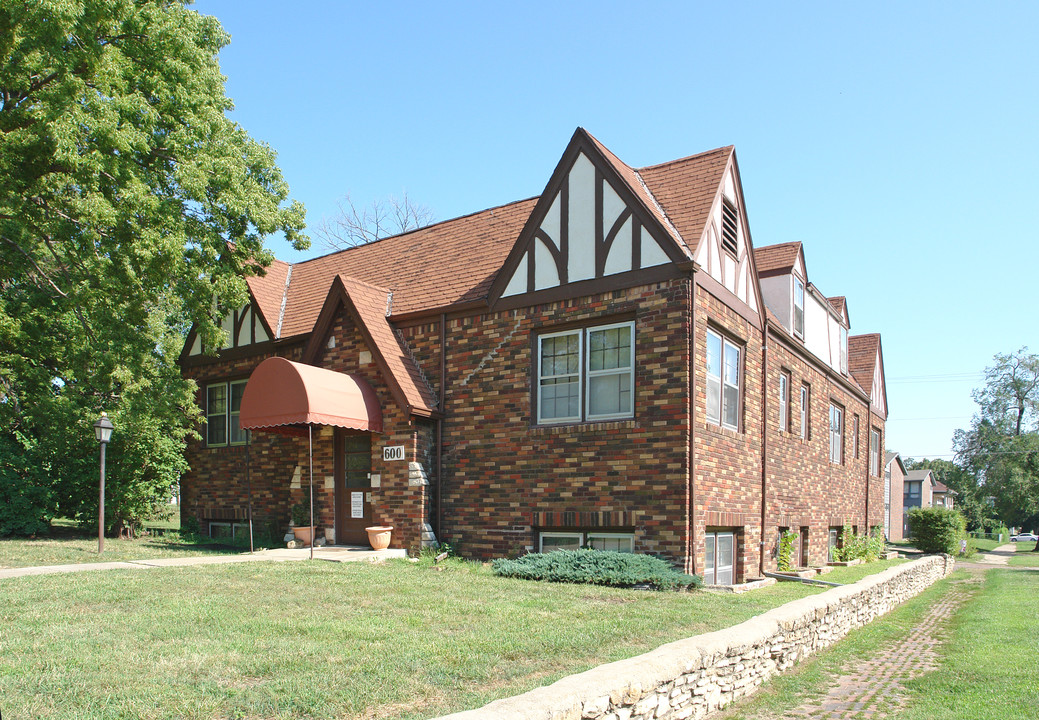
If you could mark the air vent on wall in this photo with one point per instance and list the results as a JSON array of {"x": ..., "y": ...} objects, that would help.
[{"x": 729, "y": 227}]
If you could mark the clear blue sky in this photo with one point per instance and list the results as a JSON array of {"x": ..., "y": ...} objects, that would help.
[{"x": 898, "y": 141}]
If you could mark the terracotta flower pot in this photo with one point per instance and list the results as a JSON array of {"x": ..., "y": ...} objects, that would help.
[
  {"x": 379, "y": 536},
  {"x": 303, "y": 534}
]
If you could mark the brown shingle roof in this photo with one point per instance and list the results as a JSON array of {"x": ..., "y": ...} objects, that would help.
[
  {"x": 862, "y": 358},
  {"x": 370, "y": 303},
  {"x": 269, "y": 290},
  {"x": 448, "y": 263},
  {"x": 837, "y": 303},
  {"x": 454, "y": 262},
  {"x": 686, "y": 189},
  {"x": 776, "y": 257}
]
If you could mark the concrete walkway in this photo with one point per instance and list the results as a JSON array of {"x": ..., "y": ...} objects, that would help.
[{"x": 336, "y": 553}]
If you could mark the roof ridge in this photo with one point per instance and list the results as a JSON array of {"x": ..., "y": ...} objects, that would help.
[{"x": 726, "y": 148}]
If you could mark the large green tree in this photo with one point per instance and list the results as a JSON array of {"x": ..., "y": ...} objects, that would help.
[
  {"x": 1001, "y": 448},
  {"x": 131, "y": 209}
]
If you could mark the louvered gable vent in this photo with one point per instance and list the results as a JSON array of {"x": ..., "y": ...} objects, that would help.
[{"x": 729, "y": 227}]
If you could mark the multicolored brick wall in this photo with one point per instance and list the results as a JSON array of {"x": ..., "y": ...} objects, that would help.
[
  {"x": 805, "y": 489},
  {"x": 727, "y": 463},
  {"x": 216, "y": 487},
  {"x": 505, "y": 476}
]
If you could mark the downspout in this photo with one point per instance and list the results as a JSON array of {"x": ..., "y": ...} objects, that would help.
[
  {"x": 764, "y": 442},
  {"x": 869, "y": 456},
  {"x": 691, "y": 414},
  {"x": 440, "y": 426}
]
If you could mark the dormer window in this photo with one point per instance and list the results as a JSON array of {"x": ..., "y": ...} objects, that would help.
[
  {"x": 844, "y": 350},
  {"x": 799, "y": 307},
  {"x": 730, "y": 227}
]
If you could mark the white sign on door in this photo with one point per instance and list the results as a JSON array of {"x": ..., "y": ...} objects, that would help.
[{"x": 357, "y": 504}]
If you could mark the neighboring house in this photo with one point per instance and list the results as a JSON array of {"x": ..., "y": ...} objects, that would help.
[
  {"x": 917, "y": 491},
  {"x": 894, "y": 476},
  {"x": 942, "y": 496},
  {"x": 610, "y": 365}
]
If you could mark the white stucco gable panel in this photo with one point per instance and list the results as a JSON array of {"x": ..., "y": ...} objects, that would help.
[
  {"x": 581, "y": 238},
  {"x": 612, "y": 205},
  {"x": 545, "y": 274},
  {"x": 652, "y": 253},
  {"x": 877, "y": 392},
  {"x": 619, "y": 259},
  {"x": 518, "y": 283}
]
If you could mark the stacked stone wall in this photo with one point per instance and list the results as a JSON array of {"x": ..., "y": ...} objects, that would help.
[{"x": 696, "y": 677}]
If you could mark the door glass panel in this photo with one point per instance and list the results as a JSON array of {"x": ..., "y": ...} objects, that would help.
[
  {"x": 708, "y": 575},
  {"x": 725, "y": 554}
]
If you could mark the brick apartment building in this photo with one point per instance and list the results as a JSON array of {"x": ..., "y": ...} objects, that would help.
[{"x": 610, "y": 364}]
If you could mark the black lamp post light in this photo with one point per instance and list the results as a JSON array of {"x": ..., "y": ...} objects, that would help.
[{"x": 103, "y": 433}]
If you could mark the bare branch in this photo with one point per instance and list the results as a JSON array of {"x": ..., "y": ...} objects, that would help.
[{"x": 356, "y": 225}]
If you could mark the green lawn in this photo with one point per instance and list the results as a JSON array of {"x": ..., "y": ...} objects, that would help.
[
  {"x": 319, "y": 639},
  {"x": 986, "y": 670},
  {"x": 67, "y": 548},
  {"x": 1024, "y": 557}
]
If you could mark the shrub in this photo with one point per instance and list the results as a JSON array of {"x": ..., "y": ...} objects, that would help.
[
  {"x": 596, "y": 567},
  {"x": 937, "y": 529},
  {"x": 785, "y": 561}
]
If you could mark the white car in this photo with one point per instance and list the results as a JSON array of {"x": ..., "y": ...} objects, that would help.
[{"x": 1024, "y": 537}]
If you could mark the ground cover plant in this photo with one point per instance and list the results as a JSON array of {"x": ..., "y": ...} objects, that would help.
[
  {"x": 318, "y": 639},
  {"x": 597, "y": 567}
]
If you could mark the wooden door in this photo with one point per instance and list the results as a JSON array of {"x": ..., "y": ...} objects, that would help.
[{"x": 353, "y": 487}]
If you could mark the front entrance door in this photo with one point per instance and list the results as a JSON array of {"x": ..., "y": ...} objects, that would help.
[{"x": 353, "y": 468}]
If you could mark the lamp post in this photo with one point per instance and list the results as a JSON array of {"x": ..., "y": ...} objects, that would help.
[{"x": 103, "y": 433}]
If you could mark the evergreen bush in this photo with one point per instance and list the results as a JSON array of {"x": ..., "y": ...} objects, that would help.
[
  {"x": 596, "y": 567},
  {"x": 937, "y": 529}
]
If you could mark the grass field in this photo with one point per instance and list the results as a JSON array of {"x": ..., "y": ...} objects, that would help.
[
  {"x": 986, "y": 669},
  {"x": 67, "y": 547},
  {"x": 317, "y": 639}
]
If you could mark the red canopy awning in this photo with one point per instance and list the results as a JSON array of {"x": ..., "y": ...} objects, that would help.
[{"x": 281, "y": 395}]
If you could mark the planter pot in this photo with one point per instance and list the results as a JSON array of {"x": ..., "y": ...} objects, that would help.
[
  {"x": 303, "y": 535},
  {"x": 379, "y": 536}
]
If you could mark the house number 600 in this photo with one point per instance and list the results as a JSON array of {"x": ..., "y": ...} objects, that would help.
[{"x": 393, "y": 452}]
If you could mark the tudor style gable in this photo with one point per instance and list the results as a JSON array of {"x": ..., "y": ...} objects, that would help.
[
  {"x": 589, "y": 224},
  {"x": 724, "y": 251},
  {"x": 242, "y": 328}
]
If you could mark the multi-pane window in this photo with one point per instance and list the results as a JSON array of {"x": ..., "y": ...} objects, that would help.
[
  {"x": 615, "y": 541},
  {"x": 832, "y": 544},
  {"x": 799, "y": 308},
  {"x": 805, "y": 415},
  {"x": 836, "y": 434},
  {"x": 784, "y": 402},
  {"x": 912, "y": 489},
  {"x": 874, "y": 452},
  {"x": 223, "y": 404},
  {"x": 723, "y": 381},
  {"x": 586, "y": 374}
]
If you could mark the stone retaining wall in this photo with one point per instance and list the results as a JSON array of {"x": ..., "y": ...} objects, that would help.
[{"x": 694, "y": 677}]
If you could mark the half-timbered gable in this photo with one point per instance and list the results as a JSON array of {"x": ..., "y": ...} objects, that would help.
[
  {"x": 592, "y": 224},
  {"x": 597, "y": 366}
]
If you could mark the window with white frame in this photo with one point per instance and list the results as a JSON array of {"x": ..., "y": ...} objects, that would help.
[
  {"x": 805, "y": 414},
  {"x": 719, "y": 557},
  {"x": 784, "y": 402},
  {"x": 586, "y": 374},
  {"x": 223, "y": 404},
  {"x": 799, "y": 307},
  {"x": 615, "y": 541},
  {"x": 836, "y": 434},
  {"x": 874, "y": 452},
  {"x": 723, "y": 381}
]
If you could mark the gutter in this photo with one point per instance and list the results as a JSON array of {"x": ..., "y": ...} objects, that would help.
[{"x": 764, "y": 443}]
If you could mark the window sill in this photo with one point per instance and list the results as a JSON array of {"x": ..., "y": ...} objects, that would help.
[{"x": 585, "y": 426}]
